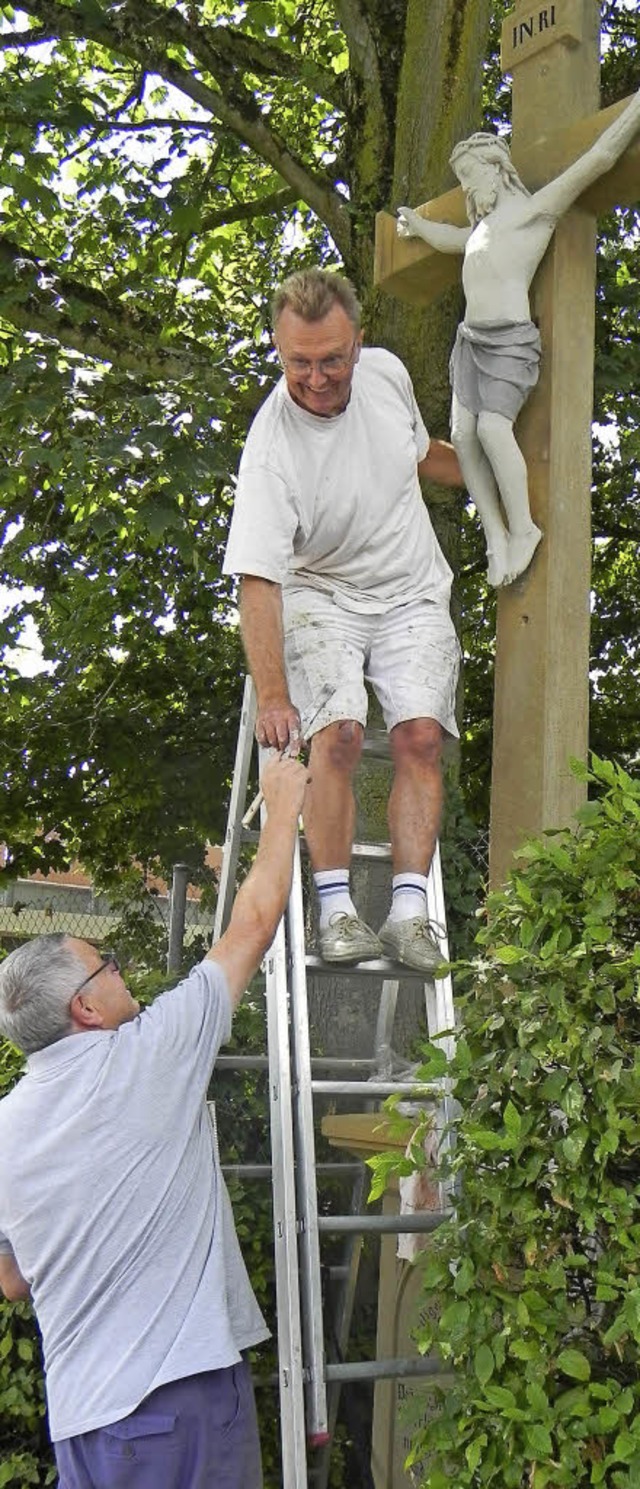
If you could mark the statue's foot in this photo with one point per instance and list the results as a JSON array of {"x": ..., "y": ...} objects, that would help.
[
  {"x": 521, "y": 548},
  {"x": 498, "y": 558}
]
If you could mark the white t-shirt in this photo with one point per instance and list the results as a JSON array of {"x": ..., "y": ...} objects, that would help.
[
  {"x": 336, "y": 503},
  {"x": 113, "y": 1203}
]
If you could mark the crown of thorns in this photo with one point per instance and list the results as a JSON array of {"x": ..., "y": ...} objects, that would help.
[{"x": 492, "y": 146}]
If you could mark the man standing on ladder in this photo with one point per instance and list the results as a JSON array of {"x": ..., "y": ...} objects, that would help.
[{"x": 342, "y": 580}]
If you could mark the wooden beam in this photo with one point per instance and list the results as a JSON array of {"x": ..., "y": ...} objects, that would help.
[{"x": 413, "y": 271}]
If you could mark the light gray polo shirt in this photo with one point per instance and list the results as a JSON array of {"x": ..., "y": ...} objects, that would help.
[{"x": 113, "y": 1203}]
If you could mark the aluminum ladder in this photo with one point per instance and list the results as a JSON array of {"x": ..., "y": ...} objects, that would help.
[{"x": 309, "y": 1386}]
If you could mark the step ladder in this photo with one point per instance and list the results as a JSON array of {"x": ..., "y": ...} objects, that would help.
[{"x": 309, "y": 1384}]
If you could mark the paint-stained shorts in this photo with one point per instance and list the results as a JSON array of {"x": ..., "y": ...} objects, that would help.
[
  {"x": 410, "y": 655},
  {"x": 197, "y": 1433}
]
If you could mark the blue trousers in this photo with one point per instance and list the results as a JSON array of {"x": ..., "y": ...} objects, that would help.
[{"x": 197, "y": 1433}]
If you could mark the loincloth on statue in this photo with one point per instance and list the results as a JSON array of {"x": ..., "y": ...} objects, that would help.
[{"x": 494, "y": 368}]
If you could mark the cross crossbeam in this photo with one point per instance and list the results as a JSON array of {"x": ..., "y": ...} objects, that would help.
[{"x": 415, "y": 272}]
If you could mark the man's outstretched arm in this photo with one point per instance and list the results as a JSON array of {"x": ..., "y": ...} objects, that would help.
[{"x": 261, "y": 901}]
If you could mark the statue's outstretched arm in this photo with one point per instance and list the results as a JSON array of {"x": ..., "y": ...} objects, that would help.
[
  {"x": 558, "y": 195},
  {"x": 441, "y": 235}
]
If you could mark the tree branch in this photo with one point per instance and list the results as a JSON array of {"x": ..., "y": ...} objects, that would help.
[
  {"x": 221, "y": 48},
  {"x": 229, "y": 49},
  {"x": 12, "y": 41},
  {"x": 237, "y": 112},
  {"x": 360, "y": 40},
  {"x": 244, "y": 211},
  {"x": 34, "y": 297}
]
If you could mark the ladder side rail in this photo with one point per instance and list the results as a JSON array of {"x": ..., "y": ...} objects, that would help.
[
  {"x": 342, "y": 1325},
  {"x": 441, "y": 1016},
  {"x": 233, "y": 836},
  {"x": 381, "y": 1066},
  {"x": 289, "y": 1340},
  {"x": 440, "y": 1005},
  {"x": 311, "y": 1280}
]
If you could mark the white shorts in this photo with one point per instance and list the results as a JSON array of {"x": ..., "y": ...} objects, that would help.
[{"x": 410, "y": 655}]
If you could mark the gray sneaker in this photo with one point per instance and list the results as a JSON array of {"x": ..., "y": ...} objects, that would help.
[
  {"x": 347, "y": 939},
  {"x": 413, "y": 943}
]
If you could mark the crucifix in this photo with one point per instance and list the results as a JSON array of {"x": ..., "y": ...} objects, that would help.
[{"x": 542, "y": 642}]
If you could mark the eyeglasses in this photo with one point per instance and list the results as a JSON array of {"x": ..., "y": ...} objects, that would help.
[
  {"x": 333, "y": 366},
  {"x": 109, "y": 963}
]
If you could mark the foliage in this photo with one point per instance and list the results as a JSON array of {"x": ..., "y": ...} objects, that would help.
[
  {"x": 161, "y": 170},
  {"x": 464, "y": 870},
  {"x": 536, "y": 1277},
  {"x": 162, "y": 167}
]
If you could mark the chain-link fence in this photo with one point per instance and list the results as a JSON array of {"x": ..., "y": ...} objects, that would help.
[{"x": 37, "y": 907}]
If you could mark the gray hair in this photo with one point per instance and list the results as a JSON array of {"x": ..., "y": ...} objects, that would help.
[
  {"x": 37, "y": 983},
  {"x": 312, "y": 293}
]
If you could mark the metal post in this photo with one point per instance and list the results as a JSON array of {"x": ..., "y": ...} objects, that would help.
[
  {"x": 310, "y": 1271},
  {"x": 177, "y": 916}
]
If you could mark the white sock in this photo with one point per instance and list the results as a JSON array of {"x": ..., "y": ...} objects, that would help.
[
  {"x": 409, "y": 896},
  {"x": 333, "y": 894}
]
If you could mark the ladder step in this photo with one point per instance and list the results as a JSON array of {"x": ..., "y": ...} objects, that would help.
[
  {"x": 421, "y": 1223},
  {"x": 389, "y": 971}
]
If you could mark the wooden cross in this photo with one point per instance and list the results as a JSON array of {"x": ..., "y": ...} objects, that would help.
[{"x": 541, "y": 698}]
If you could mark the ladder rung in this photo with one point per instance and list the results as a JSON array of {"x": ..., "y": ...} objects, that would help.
[
  {"x": 384, "y": 1225},
  {"x": 372, "y": 1090},
  {"x": 380, "y": 851},
  {"x": 320, "y": 1062},
  {"x": 264, "y": 1170},
  {"x": 387, "y": 1369},
  {"x": 376, "y": 744}
]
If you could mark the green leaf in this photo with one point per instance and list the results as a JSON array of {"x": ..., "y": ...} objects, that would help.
[
  {"x": 484, "y": 1363},
  {"x": 538, "y": 1441},
  {"x": 473, "y": 1451},
  {"x": 508, "y": 956},
  {"x": 572, "y": 1362}
]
